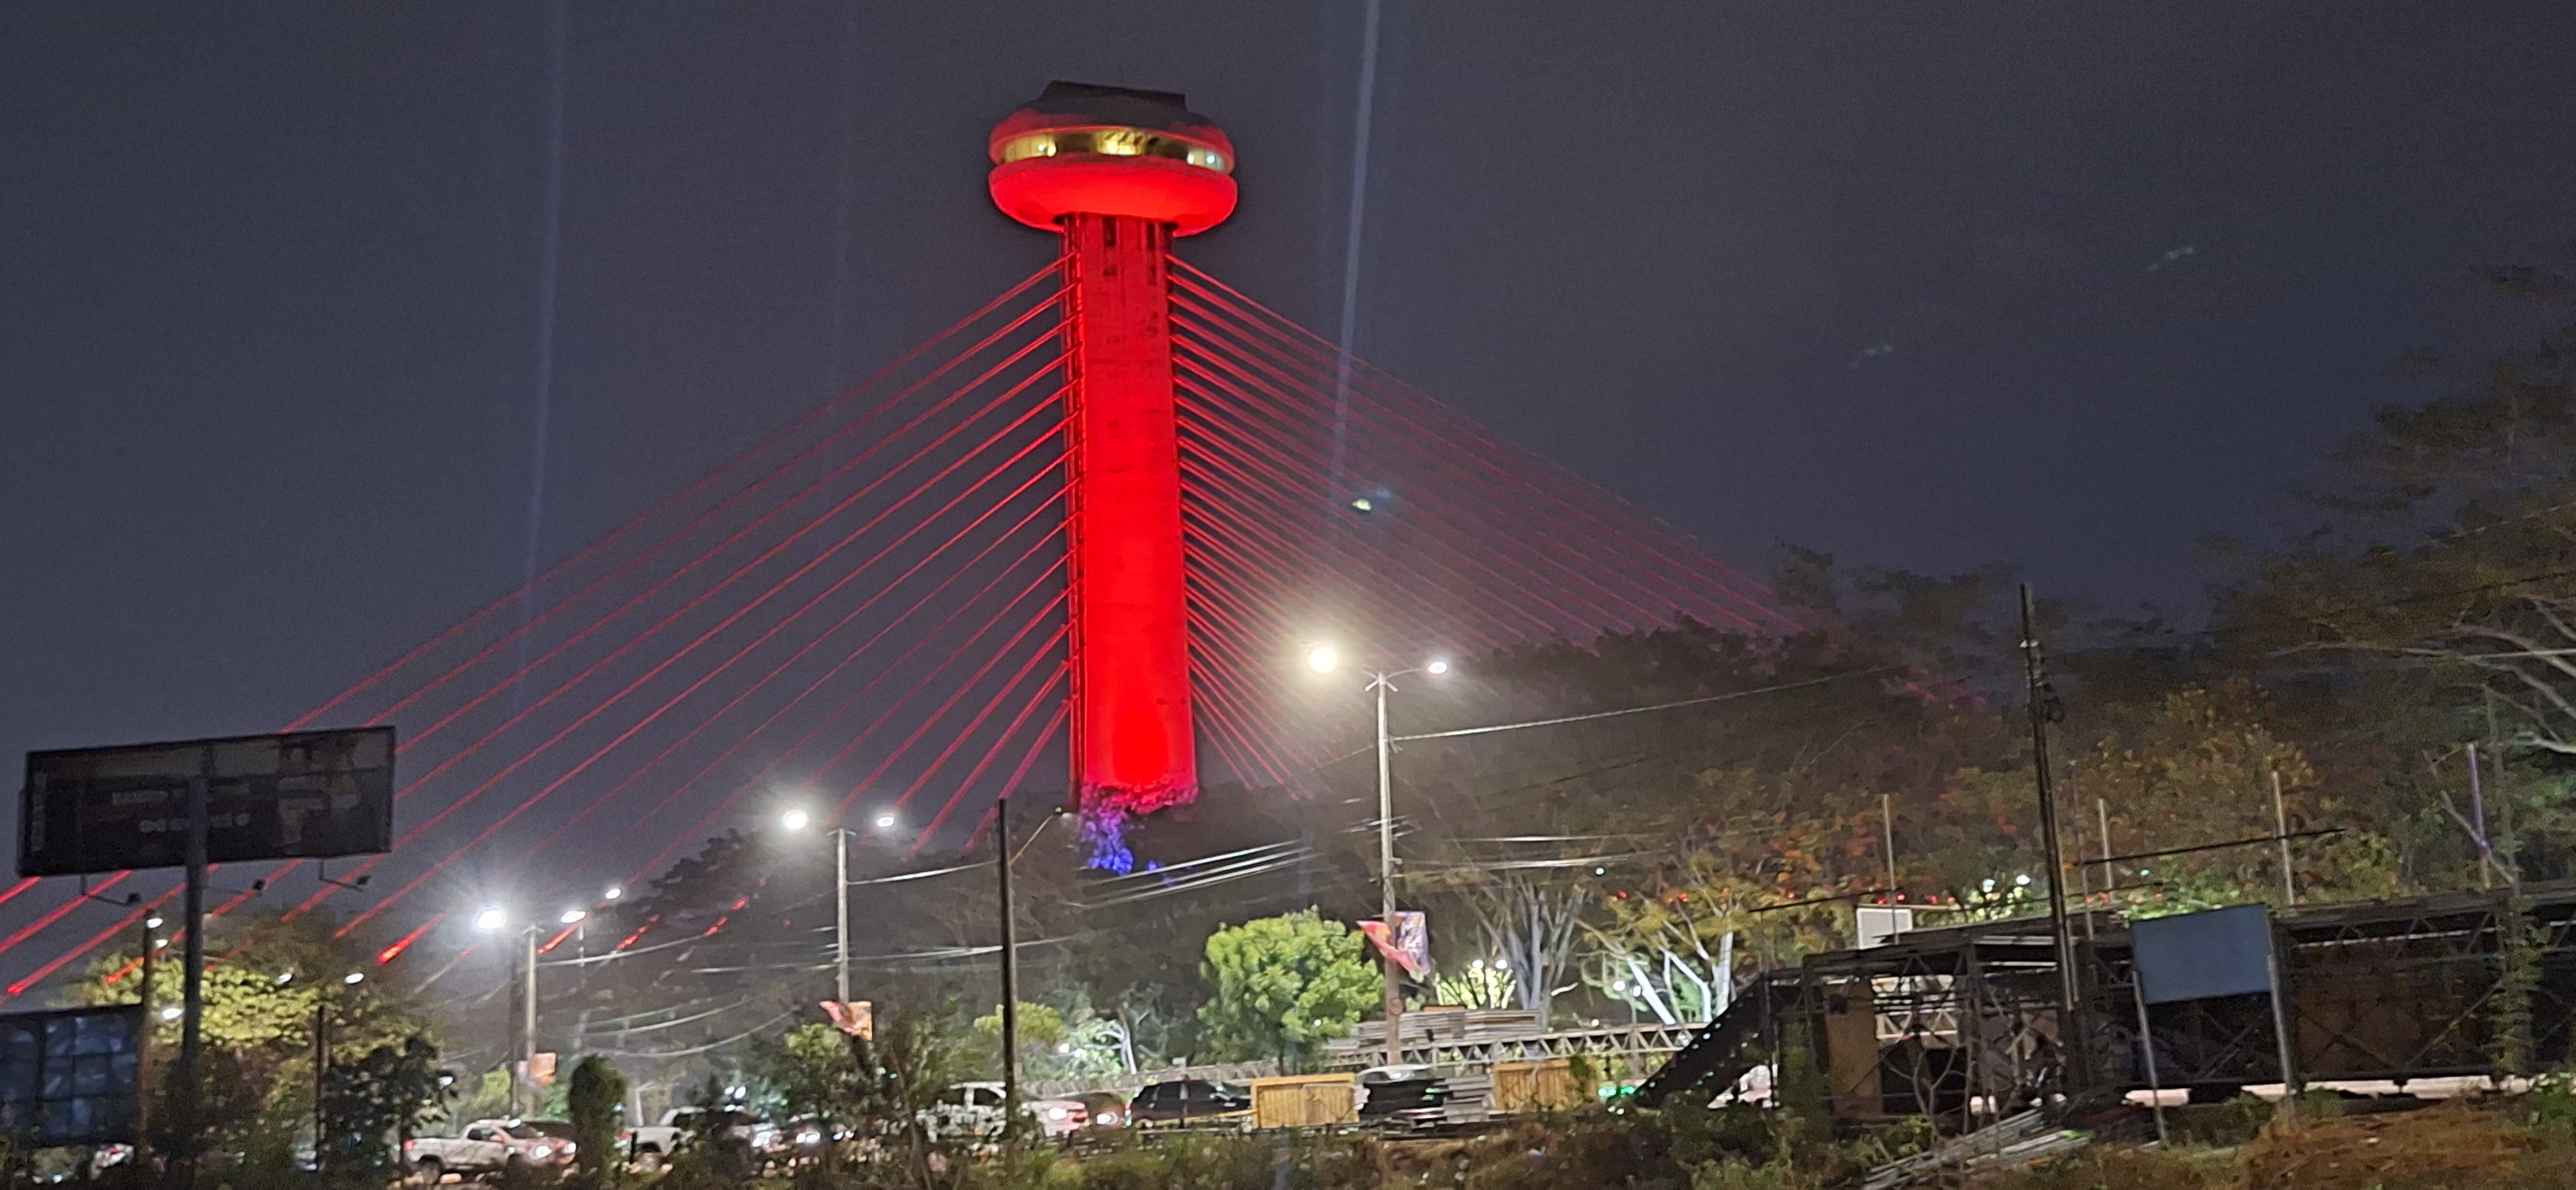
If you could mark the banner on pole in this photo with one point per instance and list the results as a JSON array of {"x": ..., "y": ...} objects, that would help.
[
  {"x": 858, "y": 1018},
  {"x": 1410, "y": 944}
]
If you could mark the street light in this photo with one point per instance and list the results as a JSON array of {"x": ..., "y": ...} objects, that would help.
[
  {"x": 614, "y": 892},
  {"x": 572, "y": 917},
  {"x": 492, "y": 920},
  {"x": 1324, "y": 659},
  {"x": 797, "y": 820},
  {"x": 885, "y": 822}
]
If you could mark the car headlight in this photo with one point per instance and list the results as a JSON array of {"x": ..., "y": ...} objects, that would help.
[
  {"x": 569, "y": 1146},
  {"x": 541, "y": 1152}
]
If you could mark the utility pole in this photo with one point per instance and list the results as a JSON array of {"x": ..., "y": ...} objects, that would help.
[
  {"x": 1010, "y": 967},
  {"x": 321, "y": 1065},
  {"x": 2281, "y": 831},
  {"x": 527, "y": 1047},
  {"x": 143, "y": 1047},
  {"x": 2487, "y": 866},
  {"x": 192, "y": 983},
  {"x": 1386, "y": 878},
  {"x": 2045, "y": 709},
  {"x": 841, "y": 914},
  {"x": 1887, "y": 819}
]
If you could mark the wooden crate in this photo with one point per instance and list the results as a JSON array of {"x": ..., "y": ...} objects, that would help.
[
  {"x": 1304, "y": 1101},
  {"x": 1546, "y": 1085}
]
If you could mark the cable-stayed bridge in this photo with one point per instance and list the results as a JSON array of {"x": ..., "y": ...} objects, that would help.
[{"x": 1074, "y": 545}]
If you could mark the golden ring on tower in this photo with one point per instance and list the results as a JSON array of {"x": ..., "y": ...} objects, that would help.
[{"x": 1109, "y": 142}]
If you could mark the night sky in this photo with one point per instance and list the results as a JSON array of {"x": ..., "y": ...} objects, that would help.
[{"x": 1924, "y": 285}]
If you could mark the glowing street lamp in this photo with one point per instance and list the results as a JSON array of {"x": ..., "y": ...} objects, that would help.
[
  {"x": 572, "y": 916},
  {"x": 885, "y": 822},
  {"x": 614, "y": 892},
  {"x": 1325, "y": 659},
  {"x": 491, "y": 919},
  {"x": 797, "y": 820}
]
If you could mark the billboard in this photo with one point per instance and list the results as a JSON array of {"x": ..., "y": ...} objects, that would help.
[
  {"x": 2198, "y": 956},
  {"x": 309, "y": 794},
  {"x": 70, "y": 1077}
]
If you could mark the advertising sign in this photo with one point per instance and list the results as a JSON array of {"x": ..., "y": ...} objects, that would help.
[
  {"x": 312, "y": 794},
  {"x": 2197, "y": 956},
  {"x": 70, "y": 1077}
]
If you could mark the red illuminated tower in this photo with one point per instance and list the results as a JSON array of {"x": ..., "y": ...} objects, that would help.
[{"x": 1118, "y": 173}]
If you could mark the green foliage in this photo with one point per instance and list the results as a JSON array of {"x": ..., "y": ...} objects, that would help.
[
  {"x": 595, "y": 1099},
  {"x": 2519, "y": 950},
  {"x": 1042, "y": 1030},
  {"x": 370, "y": 1103},
  {"x": 259, "y": 1076},
  {"x": 1284, "y": 985}
]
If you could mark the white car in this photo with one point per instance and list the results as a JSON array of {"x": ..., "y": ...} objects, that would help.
[
  {"x": 485, "y": 1146},
  {"x": 671, "y": 1135},
  {"x": 973, "y": 1111}
]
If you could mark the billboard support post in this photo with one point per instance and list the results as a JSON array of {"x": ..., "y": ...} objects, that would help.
[
  {"x": 192, "y": 983},
  {"x": 143, "y": 1054},
  {"x": 2282, "y": 1042}
]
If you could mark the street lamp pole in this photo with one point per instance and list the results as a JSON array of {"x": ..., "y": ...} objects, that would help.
[
  {"x": 841, "y": 914},
  {"x": 1323, "y": 659},
  {"x": 527, "y": 1072},
  {"x": 1010, "y": 966},
  {"x": 1386, "y": 876}
]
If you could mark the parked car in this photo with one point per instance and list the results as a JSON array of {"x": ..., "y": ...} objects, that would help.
[
  {"x": 1188, "y": 1100},
  {"x": 1056, "y": 1117},
  {"x": 973, "y": 1111},
  {"x": 966, "y": 1111},
  {"x": 681, "y": 1123},
  {"x": 1412, "y": 1094},
  {"x": 1107, "y": 1109},
  {"x": 485, "y": 1146}
]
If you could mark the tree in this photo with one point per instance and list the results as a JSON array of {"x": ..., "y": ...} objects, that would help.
[
  {"x": 594, "y": 1098},
  {"x": 2198, "y": 769},
  {"x": 1284, "y": 985},
  {"x": 260, "y": 1011},
  {"x": 2437, "y": 605},
  {"x": 374, "y": 1102}
]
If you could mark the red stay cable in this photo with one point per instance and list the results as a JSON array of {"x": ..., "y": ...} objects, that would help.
[
  {"x": 835, "y": 714},
  {"x": 1204, "y": 290},
  {"x": 746, "y": 787},
  {"x": 704, "y": 481},
  {"x": 692, "y": 688},
  {"x": 864, "y": 606},
  {"x": 657, "y": 669}
]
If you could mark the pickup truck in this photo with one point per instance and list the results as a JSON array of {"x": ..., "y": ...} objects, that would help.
[
  {"x": 672, "y": 1134},
  {"x": 485, "y": 1146}
]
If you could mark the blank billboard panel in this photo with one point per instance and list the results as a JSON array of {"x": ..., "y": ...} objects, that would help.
[{"x": 311, "y": 794}]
